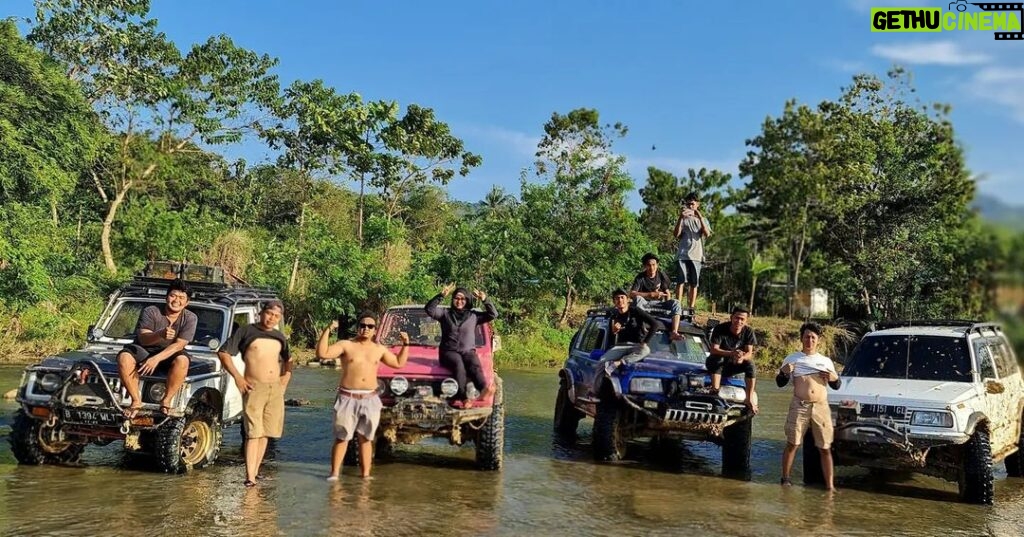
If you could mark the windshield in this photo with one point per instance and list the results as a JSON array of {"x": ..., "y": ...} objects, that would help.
[
  {"x": 911, "y": 357},
  {"x": 691, "y": 348},
  {"x": 125, "y": 322},
  {"x": 422, "y": 329}
]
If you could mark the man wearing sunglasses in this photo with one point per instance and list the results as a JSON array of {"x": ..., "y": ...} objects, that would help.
[{"x": 357, "y": 408}]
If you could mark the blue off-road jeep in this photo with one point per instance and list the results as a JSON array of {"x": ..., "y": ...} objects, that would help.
[{"x": 665, "y": 397}]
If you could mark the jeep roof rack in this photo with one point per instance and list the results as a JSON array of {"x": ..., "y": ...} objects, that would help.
[
  {"x": 214, "y": 292},
  {"x": 967, "y": 324}
]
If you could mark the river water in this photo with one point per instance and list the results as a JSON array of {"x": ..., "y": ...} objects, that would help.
[{"x": 433, "y": 489}]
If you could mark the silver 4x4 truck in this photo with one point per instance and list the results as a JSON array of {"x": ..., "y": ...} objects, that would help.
[
  {"x": 942, "y": 398},
  {"x": 75, "y": 399}
]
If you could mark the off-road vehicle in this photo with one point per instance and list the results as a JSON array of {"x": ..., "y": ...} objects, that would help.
[
  {"x": 73, "y": 399},
  {"x": 665, "y": 397},
  {"x": 416, "y": 398},
  {"x": 943, "y": 398}
]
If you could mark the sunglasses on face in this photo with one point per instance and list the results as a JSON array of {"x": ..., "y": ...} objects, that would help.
[{"x": 367, "y": 326}]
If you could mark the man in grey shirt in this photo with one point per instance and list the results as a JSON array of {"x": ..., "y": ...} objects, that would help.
[
  {"x": 159, "y": 348},
  {"x": 691, "y": 230}
]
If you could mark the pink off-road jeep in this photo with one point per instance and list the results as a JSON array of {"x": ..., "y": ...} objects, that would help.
[{"x": 416, "y": 397}]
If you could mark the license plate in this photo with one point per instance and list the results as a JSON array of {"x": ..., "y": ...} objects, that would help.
[
  {"x": 889, "y": 411},
  {"x": 75, "y": 415},
  {"x": 424, "y": 391}
]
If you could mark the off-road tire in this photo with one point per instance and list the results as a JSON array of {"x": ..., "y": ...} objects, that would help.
[
  {"x": 812, "y": 461},
  {"x": 976, "y": 481},
  {"x": 609, "y": 435},
  {"x": 567, "y": 417},
  {"x": 736, "y": 440},
  {"x": 490, "y": 440},
  {"x": 192, "y": 442},
  {"x": 1015, "y": 463},
  {"x": 383, "y": 448},
  {"x": 29, "y": 447}
]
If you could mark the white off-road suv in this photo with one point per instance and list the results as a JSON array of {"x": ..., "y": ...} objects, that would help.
[{"x": 943, "y": 398}]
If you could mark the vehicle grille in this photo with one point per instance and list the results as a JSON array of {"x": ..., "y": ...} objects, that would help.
[{"x": 692, "y": 416}]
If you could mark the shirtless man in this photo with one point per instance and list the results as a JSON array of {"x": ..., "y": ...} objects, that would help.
[
  {"x": 810, "y": 372},
  {"x": 268, "y": 370},
  {"x": 357, "y": 410},
  {"x": 159, "y": 347}
]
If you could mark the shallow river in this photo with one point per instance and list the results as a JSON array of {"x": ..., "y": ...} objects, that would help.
[{"x": 432, "y": 489}]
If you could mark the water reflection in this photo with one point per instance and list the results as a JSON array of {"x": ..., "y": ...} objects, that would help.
[{"x": 546, "y": 488}]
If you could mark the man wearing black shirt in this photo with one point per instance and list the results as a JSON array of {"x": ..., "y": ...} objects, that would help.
[
  {"x": 732, "y": 352},
  {"x": 632, "y": 329},
  {"x": 652, "y": 288}
]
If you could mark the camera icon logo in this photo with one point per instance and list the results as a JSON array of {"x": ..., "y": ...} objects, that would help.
[{"x": 961, "y": 5}]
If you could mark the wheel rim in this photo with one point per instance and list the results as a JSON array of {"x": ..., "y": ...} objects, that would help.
[{"x": 196, "y": 440}]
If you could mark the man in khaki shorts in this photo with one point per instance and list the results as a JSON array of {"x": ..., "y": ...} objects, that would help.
[
  {"x": 810, "y": 372},
  {"x": 267, "y": 360},
  {"x": 357, "y": 410}
]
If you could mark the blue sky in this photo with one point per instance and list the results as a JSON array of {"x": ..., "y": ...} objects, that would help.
[{"x": 693, "y": 79}]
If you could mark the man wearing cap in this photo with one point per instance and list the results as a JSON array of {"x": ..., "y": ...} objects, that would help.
[
  {"x": 268, "y": 363},
  {"x": 652, "y": 288},
  {"x": 632, "y": 329}
]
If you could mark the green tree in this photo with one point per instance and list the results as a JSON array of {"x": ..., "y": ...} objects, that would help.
[
  {"x": 146, "y": 90},
  {"x": 49, "y": 134}
]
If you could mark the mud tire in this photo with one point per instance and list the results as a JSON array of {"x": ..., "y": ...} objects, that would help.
[
  {"x": 976, "y": 480},
  {"x": 192, "y": 442},
  {"x": 736, "y": 440},
  {"x": 811, "y": 461},
  {"x": 28, "y": 446},
  {"x": 490, "y": 440},
  {"x": 567, "y": 417},
  {"x": 609, "y": 434},
  {"x": 1015, "y": 463}
]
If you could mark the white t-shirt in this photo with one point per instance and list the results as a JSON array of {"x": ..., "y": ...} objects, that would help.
[{"x": 809, "y": 364}]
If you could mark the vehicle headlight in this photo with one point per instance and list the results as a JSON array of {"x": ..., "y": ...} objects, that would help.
[
  {"x": 931, "y": 419},
  {"x": 449, "y": 386},
  {"x": 399, "y": 385},
  {"x": 732, "y": 393},
  {"x": 49, "y": 382},
  {"x": 471, "y": 391},
  {"x": 156, "y": 391},
  {"x": 645, "y": 385}
]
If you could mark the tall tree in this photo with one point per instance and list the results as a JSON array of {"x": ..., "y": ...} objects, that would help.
[{"x": 147, "y": 90}]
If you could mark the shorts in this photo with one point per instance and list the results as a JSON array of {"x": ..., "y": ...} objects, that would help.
[
  {"x": 721, "y": 365},
  {"x": 263, "y": 410},
  {"x": 816, "y": 415},
  {"x": 141, "y": 354},
  {"x": 356, "y": 416},
  {"x": 689, "y": 272}
]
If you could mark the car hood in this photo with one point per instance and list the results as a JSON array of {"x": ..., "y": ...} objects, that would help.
[
  {"x": 667, "y": 367},
  {"x": 901, "y": 391},
  {"x": 423, "y": 363},
  {"x": 106, "y": 359}
]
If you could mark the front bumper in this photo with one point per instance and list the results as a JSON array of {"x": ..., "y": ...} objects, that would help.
[
  {"x": 428, "y": 414},
  {"x": 697, "y": 415}
]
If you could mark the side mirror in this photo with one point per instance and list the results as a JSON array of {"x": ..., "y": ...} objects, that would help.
[
  {"x": 93, "y": 334},
  {"x": 495, "y": 342},
  {"x": 994, "y": 387}
]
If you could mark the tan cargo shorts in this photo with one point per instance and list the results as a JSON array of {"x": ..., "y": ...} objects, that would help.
[
  {"x": 804, "y": 414},
  {"x": 264, "y": 410}
]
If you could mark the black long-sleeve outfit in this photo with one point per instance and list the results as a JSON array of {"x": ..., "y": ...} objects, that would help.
[{"x": 457, "y": 351}]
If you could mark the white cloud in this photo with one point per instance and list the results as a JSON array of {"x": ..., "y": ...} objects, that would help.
[
  {"x": 936, "y": 52},
  {"x": 1001, "y": 85},
  {"x": 518, "y": 143}
]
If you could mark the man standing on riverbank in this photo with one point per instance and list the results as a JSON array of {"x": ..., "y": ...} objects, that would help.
[
  {"x": 810, "y": 372},
  {"x": 267, "y": 361},
  {"x": 358, "y": 406}
]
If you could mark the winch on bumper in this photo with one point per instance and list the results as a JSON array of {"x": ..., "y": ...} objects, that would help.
[{"x": 889, "y": 444}]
